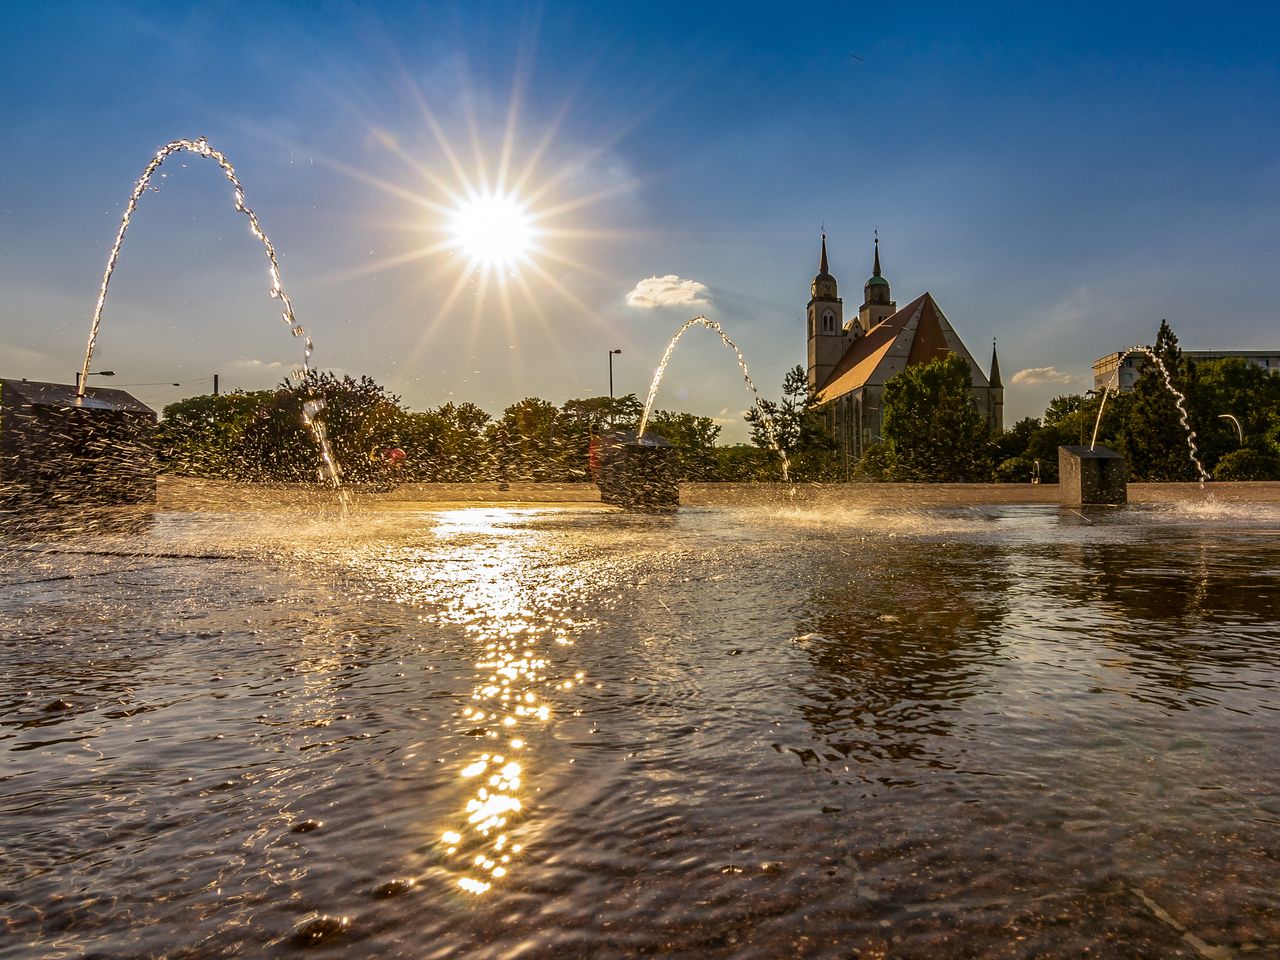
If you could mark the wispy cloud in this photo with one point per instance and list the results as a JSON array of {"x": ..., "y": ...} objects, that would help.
[
  {"x": 249, "y": 364},
  {"x": 726, "y": 417},
  {"x": 1037, "y": 375},
  {"x": 668, "y": 291}
]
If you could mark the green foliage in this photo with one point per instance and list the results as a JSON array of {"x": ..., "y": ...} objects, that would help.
[
  {"x": 201, "y": 436},
  {"x": 933, "y": 431},
  {"x": 592, "y": 414},
  {"x": 1151, "y": 437},
  {"x": 695, "y": 441},
  {"x": 1234, "y": 388},
  {"x": 447, "y": 445},
  {"x": 528, "y": 447},
  {"x": 745, "y": 463},
  {"x": 261, "y": 436},
  {"x": 580, "y": 419},
  {"x": 1062, "y": 407},
  {"x": 359, "y": 416},
  {"x": 1013, "y": 462},
  {"x": 1145, "y": 427},
  {"x": 875, "y": 465},
  {"x": 1249, "y": 463},
  {"x": 800, "y": 427}
]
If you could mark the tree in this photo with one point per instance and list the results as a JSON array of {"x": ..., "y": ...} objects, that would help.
[
  {"x": 933, "y": 431},
  {"x": 447, "y": 445},
  {"x": 201, "y": 436},
  {"x": 358, "y": 417},
  {"x": 1153, "y": 438},
  {"x": 694, "y": 439},
  {"x": 799, "y": 427},
  {"x": 1062, "y": 407},
  {"x": 1012, "y": 462},
  {"x": 527, "y": 444},
  {"x": 745, "y": 463},
  {"x": 592, "y": 414},
  {"x": 1249, "y": 463},
  {"x": 1234, "y": 391}
]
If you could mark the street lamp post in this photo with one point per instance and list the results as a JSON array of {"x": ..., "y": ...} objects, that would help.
[
  {"x": 611, "y": 356},
  {"x": 94, "y": 373}
]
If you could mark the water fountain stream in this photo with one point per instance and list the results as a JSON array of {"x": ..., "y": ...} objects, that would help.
[
  {"x": 766, "y": 419},
  {"x": 1178, "y": 397},
  {"x": 201, "y": 147}
]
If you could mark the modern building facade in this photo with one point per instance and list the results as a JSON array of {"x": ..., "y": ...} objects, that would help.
[
  {"x": 1120, "y": 370},
  {"x": 849, "y": 363}
]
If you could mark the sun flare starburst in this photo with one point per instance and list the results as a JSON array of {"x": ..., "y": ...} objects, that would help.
[
  {"x": 502, "y": 225},
  {"x": 494, "y": 230}
]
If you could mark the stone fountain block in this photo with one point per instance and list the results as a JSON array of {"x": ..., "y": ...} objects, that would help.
[
  {"x": 1097, "y": 476},
  {"x": 60, "y": 450},
  {"x": 638, "y": 474}
]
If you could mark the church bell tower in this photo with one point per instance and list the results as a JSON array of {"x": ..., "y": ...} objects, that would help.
[
  {"x": 877, "y": 304},
  {"x": 827, "y": 338}
]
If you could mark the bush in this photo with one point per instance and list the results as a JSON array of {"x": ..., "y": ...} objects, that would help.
[{"x": 1249, "y": 463}]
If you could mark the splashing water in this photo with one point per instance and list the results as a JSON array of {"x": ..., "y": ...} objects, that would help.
[
  {"x": 312, "y": 407},
  {"x": 1178, "y": 399},
  {"x": 742, "y": 365}
]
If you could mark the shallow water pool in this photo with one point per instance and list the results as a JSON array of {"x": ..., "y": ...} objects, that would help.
[{"x": 747, "y": 731}]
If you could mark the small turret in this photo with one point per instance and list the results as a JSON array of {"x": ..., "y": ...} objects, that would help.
[{"x": 877, "y": 302}]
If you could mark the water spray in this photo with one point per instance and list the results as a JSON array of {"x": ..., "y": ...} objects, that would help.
[
  {"x": 311, "y": 407},
  {"x": 767, "y": 420}
]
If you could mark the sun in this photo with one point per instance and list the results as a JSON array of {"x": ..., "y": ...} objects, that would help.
[
  {"x": 501, "y": 228},
  {"x": 495, "y": 230}
]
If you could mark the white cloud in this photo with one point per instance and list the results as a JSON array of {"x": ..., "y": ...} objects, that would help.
[
  {"x": 727, "y": 418},
  {"x": 668, "y": 291},
  {"x": 258, "y": 364},
  {"x": 1037, "y": 375}
]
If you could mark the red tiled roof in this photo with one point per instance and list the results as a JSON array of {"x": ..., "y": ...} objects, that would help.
[{"x": 866, "y": 354}]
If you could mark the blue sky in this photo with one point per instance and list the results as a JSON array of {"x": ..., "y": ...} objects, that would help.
[{"x": 1059, "y": 178}]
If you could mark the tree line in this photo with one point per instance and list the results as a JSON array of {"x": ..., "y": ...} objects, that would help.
[
  {"x": 259, "y": 436},
  {"x": 932, "y": 432},
  {"x": 1145, "y": 427}
]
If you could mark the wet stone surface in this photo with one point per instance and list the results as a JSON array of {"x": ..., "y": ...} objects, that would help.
[{"x": 733, "y": 731}]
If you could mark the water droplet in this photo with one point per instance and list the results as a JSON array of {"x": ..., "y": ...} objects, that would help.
[
  {"x": 395, "y": 888},
  {"x": 320, "y": 930},
  {"x": 306, "y": 826}
]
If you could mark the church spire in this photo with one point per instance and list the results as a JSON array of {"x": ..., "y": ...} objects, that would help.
[
  {"x": 877, "y": 301},
  {"x": 994, "y": 379},
  {"x": 822, "y": 265}
]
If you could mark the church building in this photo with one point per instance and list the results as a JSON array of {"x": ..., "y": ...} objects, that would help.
[{"x": 849, "y": 363}]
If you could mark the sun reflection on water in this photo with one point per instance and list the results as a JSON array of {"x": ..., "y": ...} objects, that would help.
[
  {"x": 496, "y": 586},
  {"x": 508, "y": 709}
]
